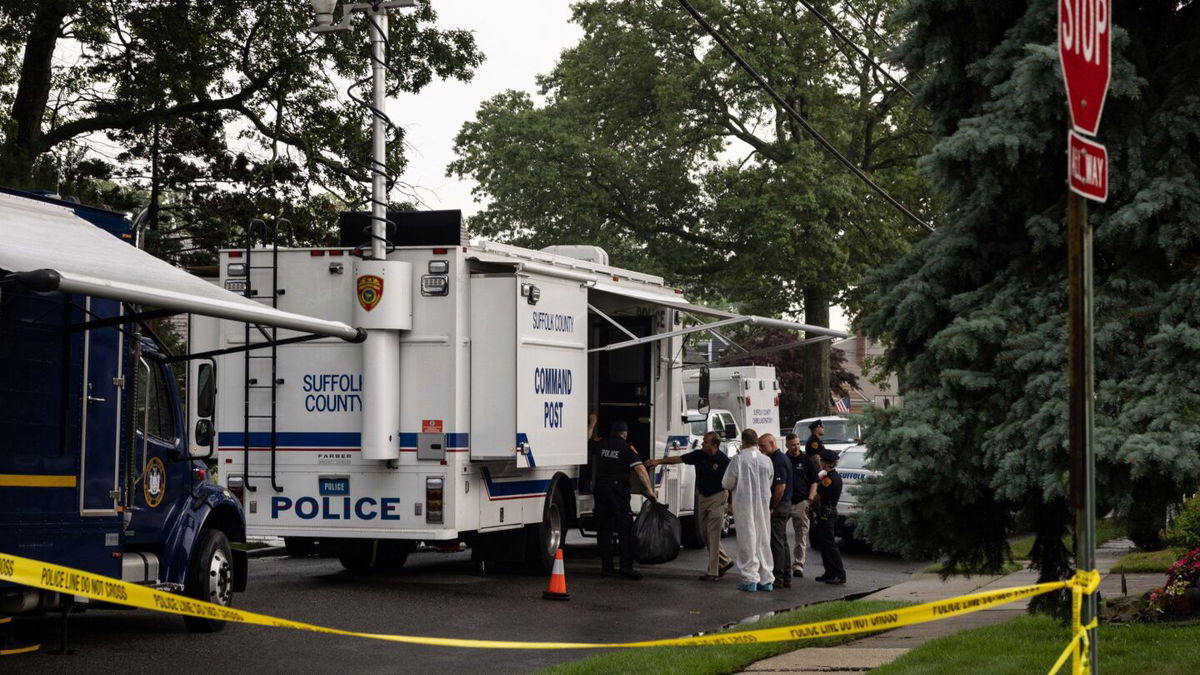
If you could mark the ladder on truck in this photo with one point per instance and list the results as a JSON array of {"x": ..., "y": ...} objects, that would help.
[{"x": 254, "y": 358}]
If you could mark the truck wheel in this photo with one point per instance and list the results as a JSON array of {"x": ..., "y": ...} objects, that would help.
[
  {"x": 392, "y": 554},
  {"x": 357, "y": 555},
  {"x": 545, "y": 539},
  {"x": 298, "y": 547},
  {"x": 210, "y": 578}
]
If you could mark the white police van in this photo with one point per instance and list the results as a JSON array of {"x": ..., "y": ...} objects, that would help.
[{"x": 466, "y": 421}]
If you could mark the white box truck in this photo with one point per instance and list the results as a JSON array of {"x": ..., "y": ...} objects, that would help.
[
  {"x": 471, "y": 426},
  {"x": 749, "y": 393}
]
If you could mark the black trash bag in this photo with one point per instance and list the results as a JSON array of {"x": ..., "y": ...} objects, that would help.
[{"x": 657, "y": 533}]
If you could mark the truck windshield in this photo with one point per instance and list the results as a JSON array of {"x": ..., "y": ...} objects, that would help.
[
  {"x": 853, "y": 459},
  {"x": 840, "y": 431}
]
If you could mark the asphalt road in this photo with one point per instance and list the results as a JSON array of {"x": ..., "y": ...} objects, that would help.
[{"x": 437, "y": 594}]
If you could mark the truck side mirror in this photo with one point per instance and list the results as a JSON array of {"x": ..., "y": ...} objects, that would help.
[
  {"x": 204, "y": 433},
  {"x": 731, "y": 430},
  {"x": 702, "y": 399},
  {"x": 206, "y": 391}
]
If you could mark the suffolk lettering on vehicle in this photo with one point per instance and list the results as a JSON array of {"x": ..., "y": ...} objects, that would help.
[
  {"x": 558, "y": 323},
  {"x": 332, "y": 392}
]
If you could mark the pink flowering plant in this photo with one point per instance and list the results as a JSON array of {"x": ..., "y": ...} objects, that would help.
[{"x": 1184, "y": 574}]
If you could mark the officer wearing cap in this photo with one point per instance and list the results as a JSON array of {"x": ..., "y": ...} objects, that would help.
[
  {"x": 829, "y": 491},
  {"x": 615, "y": 459},
  {"x": 813, "y": 446}
]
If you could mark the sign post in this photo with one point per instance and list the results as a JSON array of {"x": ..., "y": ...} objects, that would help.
[{"x": 1084, "y": 50}]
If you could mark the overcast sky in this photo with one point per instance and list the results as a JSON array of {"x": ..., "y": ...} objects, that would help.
[{"x": 520, "y": 39}]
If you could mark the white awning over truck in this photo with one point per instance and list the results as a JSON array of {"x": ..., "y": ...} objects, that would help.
[
  {"x": 52, "y": 248},
  {"x": 633, "y": 286},
  {"x": 723, "y": 317}
]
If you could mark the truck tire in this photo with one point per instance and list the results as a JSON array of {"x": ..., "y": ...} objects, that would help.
[
  {"x": 544, "y": 540},
  {"x": 357, "y": 555},
  {"x": 365, "y": 556},
  {"x": 210, "y": 578},
  {"x": 392, "y": 554},
  {"x": 299, "y": 547}
]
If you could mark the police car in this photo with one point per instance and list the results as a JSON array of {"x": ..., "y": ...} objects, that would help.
[
  {"x": 840, "y": 432},
  {"x": 855, "y": 468}
]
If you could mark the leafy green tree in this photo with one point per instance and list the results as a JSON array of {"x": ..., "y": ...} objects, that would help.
[
  {"x": 211, "y": 112},
  {"x": 648, "y": 140},
  {"x": 975, "y": 315}
]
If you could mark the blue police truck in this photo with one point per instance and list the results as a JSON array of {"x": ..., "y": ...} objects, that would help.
[{"x": 95, "y": 468}]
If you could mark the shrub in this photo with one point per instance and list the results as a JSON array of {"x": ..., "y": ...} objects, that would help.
[
  {"x": 1181, "y": 576},
  {"x": 1186, "y": 532}
]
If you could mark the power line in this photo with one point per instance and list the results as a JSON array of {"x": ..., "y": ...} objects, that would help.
[
  {"x": 841, "y": 36},
  {"x": 796, "y": 116}
]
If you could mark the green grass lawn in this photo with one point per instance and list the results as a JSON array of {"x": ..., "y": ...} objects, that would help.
[
  {"x": 1030, "y": 644},
  {"x": 727, "y": 658},
  {"x": 1149, "y": 561}
]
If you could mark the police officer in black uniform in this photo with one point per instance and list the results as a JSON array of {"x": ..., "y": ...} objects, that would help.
[
  {"x": 825, "y": 515},
  {"x": 813, "y": 446},
  {"x": 615, "y": 459}
]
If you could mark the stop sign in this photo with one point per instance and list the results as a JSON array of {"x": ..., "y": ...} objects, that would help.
[{"x": 1084, "y": 36}]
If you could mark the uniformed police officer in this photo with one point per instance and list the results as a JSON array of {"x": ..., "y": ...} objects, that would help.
[
  {"x": 825, "y": 515},
  {"x": 813, "y": 446},
  {"x": 615, "y": 458}
]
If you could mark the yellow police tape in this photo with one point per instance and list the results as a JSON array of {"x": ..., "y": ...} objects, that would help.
[{"x": 76, "y": 582}]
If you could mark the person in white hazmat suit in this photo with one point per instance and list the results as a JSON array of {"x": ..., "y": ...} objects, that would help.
[{"x": 748, "y": 478}]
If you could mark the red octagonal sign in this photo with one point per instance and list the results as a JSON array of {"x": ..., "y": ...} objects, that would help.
[{"x": 1084, "y": 36}]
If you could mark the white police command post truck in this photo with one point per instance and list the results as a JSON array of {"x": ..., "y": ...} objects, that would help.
[{"x": 467, "y": 420}]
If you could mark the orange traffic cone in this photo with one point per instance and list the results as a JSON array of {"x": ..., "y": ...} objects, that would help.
[{"x": 558, "y": 581}]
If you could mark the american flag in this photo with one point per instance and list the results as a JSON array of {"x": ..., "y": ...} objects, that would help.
[{"x": 843, "y": 404}]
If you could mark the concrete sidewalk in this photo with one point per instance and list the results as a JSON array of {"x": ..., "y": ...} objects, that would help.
[{"x": 872, "y": 652}]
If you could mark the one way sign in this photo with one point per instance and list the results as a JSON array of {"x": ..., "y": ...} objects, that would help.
[{"x": 1087, "y": 163}]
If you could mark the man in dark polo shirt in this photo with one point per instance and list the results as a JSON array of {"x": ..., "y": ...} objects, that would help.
[
  {"x": 804, "y": 490},
  {"x": 711, "y": 498},
  {"x": 781, "y": 509},
  {"x": 615, "y": 460}
]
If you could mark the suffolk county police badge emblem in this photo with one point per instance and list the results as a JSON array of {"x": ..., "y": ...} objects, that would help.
[{"x": 370, "y": 291}]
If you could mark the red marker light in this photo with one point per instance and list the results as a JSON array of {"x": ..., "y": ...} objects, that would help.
[
  {"x": 440, "y": 251},
  {"x": 316, "y": 253},
  {"x": 235, "y": 254}
]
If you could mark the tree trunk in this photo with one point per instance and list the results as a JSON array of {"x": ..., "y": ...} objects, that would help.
[
  {"x": 23, "y": 140},
  {"x": 814, "y": 397}
]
